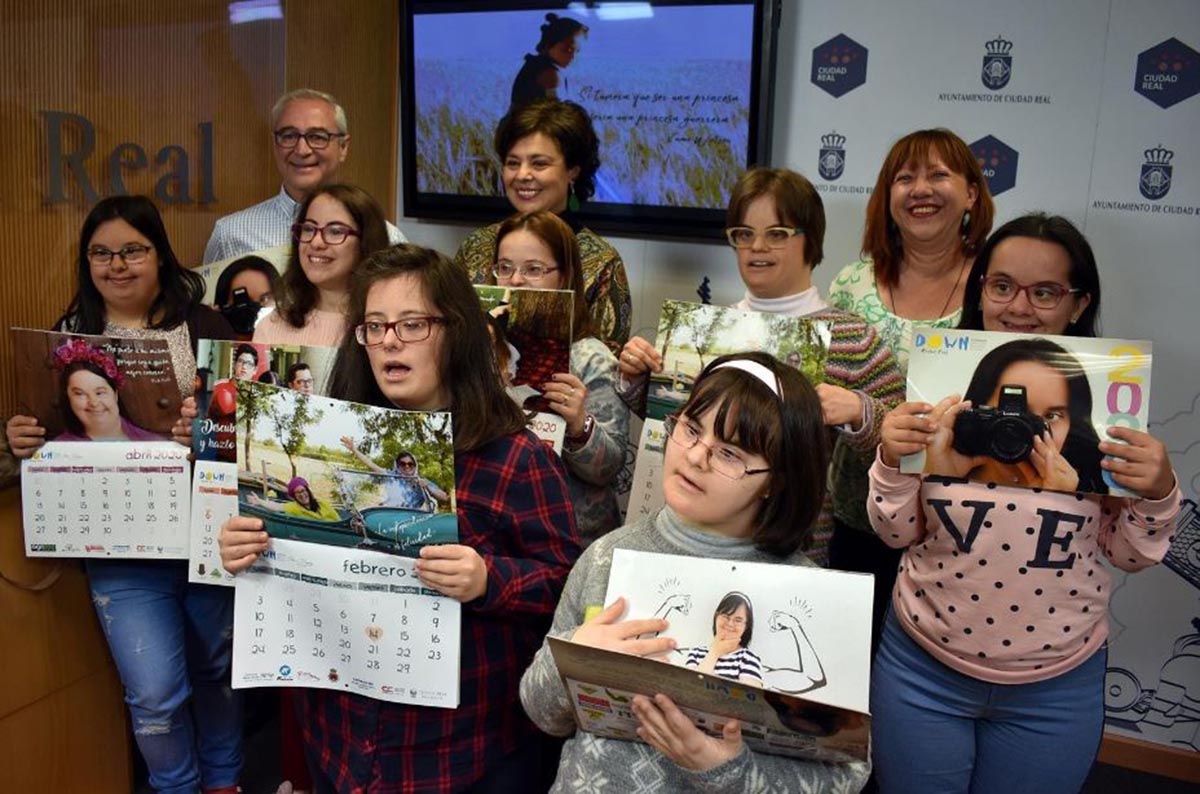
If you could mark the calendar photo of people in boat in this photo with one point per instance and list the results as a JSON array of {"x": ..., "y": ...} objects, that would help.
[
  {"x": 328, "y": 471},
  {"x": 96, "y": 388}
]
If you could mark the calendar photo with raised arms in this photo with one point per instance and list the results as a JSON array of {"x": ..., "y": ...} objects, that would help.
[
  {"x": 327, "y": 471},
  {"x": 1026, "y": 411}
]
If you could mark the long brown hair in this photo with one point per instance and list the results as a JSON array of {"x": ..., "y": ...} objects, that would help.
[
  {"x": 295, "y": 295},
  {"x": 564, "y": 247},
  {"x": 482, "y": 410},
  {"x": 881, "y": 238}
]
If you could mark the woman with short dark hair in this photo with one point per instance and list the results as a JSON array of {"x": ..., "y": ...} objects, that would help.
[{"x": 549, "y": 154}]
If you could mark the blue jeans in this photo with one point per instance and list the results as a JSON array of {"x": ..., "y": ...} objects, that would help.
[
  {"x": 936, "y": 730},
  {"x": 172, "y": 640}
]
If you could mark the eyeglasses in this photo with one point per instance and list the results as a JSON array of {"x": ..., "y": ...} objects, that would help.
[
  {"x": 410, "y": 329},
  {"x": 289, "y": 137},
  {"x": 775, "y": 236},
  {"x": 725, "y": 459},
  {"x": 304, "y": 381},
  {"x": 331, "y": 233},
  {"x": 245, "y": 361},
  {"x": 737, "y": 620},
  {"x": 534, "y": 271},
  {"x": 132, "y": 254},
  {"x": 1043, "y": 295},
  {"x": 407, "y": 464}
]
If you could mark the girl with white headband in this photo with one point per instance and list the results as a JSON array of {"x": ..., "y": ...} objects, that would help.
[{"x": 743, "y": 479}]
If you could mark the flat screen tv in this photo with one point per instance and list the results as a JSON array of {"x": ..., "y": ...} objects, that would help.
[{"x": 680, "y": 93}]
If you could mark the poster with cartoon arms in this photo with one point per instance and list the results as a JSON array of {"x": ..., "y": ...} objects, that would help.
[
  {"x": 1040, "y": 406},
  {"x": 796, "y": 630},
  {"x": 347, "y": 619}
]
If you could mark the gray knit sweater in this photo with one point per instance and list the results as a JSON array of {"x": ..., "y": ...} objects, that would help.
[{"x": 597, "y": 765}]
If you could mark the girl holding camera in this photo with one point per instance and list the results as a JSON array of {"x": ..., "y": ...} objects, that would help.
[{"x": 993, "y": 654}]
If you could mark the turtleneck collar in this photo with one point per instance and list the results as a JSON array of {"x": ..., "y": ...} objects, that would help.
[
  {"x": 696, "y": 541},
  {"x": 800, "y": 304}
]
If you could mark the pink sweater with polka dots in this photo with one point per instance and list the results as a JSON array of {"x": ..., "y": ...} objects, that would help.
[{"x": 1006, "y": 584}]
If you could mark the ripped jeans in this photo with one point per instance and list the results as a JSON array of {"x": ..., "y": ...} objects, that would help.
[{"x": 172, "y": 643}]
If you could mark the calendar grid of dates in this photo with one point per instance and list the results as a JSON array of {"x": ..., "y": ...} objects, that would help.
[
  {"x": 345, "y": 619},
  {"x": 107, "y": 500}
]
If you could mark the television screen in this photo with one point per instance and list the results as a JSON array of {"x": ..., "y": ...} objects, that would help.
[{"x": 679, "y": 94}]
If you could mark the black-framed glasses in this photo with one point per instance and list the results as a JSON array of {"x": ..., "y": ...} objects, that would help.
[
  {"x": 410, "y": 329},
  {"x": 1042, "y": 295},
  {"x": 725, "y": 459},
  {"x": 775, "y": 236},
  {"x": 531, "y": 271},
  {"x": 289, "y": 137},
  {"x": 332, "y": 233},
  {"x": 131, "y": 254}
]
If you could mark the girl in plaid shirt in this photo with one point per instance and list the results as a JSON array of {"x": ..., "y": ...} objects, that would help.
[{"x": 420, "y": 342}]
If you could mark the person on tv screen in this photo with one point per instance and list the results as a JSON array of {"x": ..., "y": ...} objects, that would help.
[
  {"x": 550, "y": 154},
  {"x": 91, "y": 408},
  {"x": 539, "y": 77},
  {"x": 1001, "y": 590}
]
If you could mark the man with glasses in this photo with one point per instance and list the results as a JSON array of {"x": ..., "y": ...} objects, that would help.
[
  {"x": 300, "y": 378},
  {"x": 311, "y": 142}
]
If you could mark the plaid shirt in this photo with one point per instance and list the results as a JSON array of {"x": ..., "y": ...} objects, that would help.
[
  {"x": 514, "y": 509},
  {"x": 266, "y": 224}
]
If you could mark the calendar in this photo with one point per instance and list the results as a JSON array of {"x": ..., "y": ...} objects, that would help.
[
  {"x": 346, "y": 619},
  {"x": 645, "y": 493},
  {"x": 106, "y": 499},
  {"x": 214, "y": 501}
]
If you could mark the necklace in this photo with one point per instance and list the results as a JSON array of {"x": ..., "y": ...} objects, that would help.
[{"x": 942, "y": 313}]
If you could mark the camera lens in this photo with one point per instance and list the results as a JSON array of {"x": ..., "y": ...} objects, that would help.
[{"x": 1011, "y": 440}]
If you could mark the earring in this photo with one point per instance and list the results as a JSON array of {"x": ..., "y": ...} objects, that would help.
[
  {"x": 572, "y": 199},
  {"x": 966, "y": 220}
]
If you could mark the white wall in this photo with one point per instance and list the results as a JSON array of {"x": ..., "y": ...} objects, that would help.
[{"x": 1080, "y": 130}]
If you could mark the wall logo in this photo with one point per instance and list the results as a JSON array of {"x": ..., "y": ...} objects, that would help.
[
  {"x": 832, "y": 160},
  {"x": 1155, "y": 181},
  {"x": 839, "y": 65},
  {"x": 1168, "y": 73},
  {"x": 998, "y": 161},
  {"x": 997, "y": 63}
]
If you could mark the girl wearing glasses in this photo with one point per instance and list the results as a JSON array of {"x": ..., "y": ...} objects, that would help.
[
  {"x": 993, "y": 651},
  {"x": 743, "y": 479},
  {"x": 538, "y": 249},
  {"x": 337, "y": 227},
  {"x": 729, "y": 654},
  {"x": 420, "y": 343},
  {"x": 777, "y": 229},
  {"x": 170, "y": 639}
]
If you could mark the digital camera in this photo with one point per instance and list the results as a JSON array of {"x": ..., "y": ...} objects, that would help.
[
  {"x": 1004, "y": 433},
  {"x": 241, "y": 311}
]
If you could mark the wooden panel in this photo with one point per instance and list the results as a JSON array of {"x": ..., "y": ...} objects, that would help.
[
  {"x": 355, "y": 57},
  {"x": 137, "y": 72},
  {"x": 1157, "y": 759}
]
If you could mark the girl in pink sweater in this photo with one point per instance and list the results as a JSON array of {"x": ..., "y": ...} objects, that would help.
[{"x": 990, "y": 673}]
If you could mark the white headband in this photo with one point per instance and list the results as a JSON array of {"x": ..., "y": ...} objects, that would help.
[{"x": 759, "y": 371}]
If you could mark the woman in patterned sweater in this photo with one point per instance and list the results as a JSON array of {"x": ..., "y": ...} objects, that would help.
[{"x": 777, "y": 229}]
